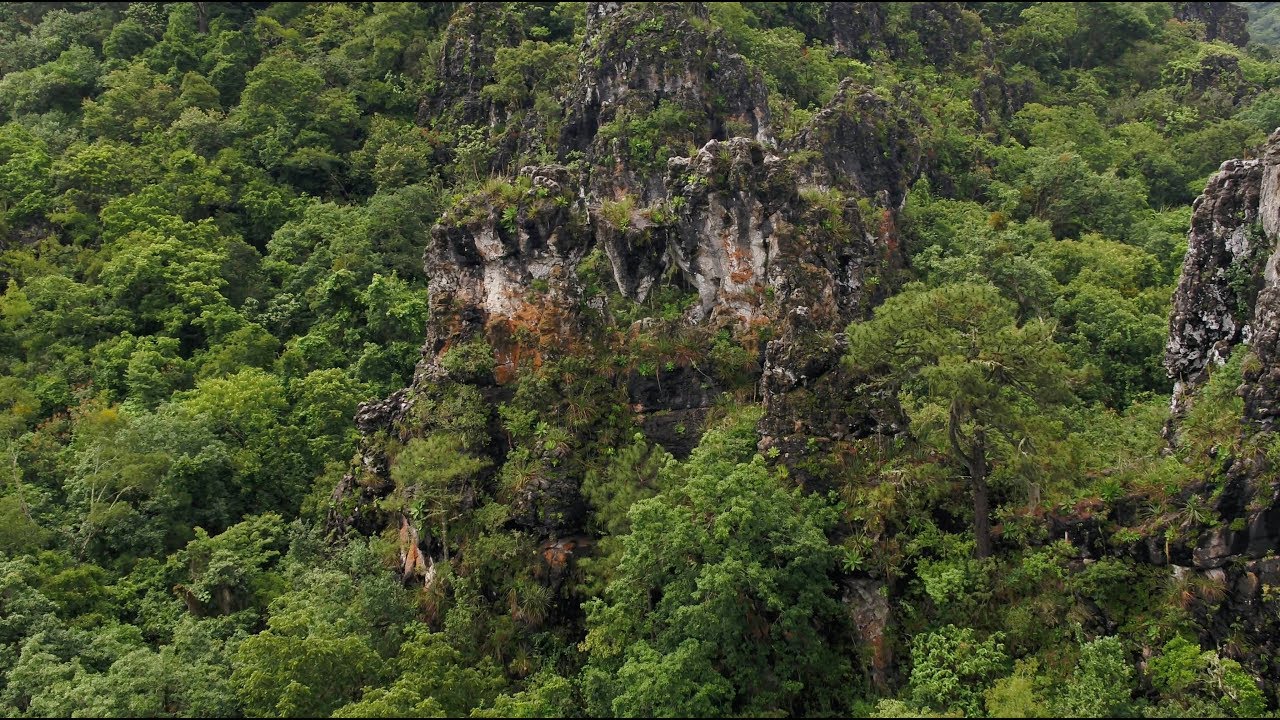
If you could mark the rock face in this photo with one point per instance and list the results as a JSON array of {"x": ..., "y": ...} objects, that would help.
[
  {"x": 1213, "y": 303},
  {"x": 1262, "y": 379},
  {"x": 861, "y": 145},
  {"x": 639, "y": 58},
  {"x": 1230, "y": 291},
  {"x": 944, "y": 29},
  {"x": 670, "y": 177},
  {"x": 1222, "y": 20},
  {"x": 487, "y": 252},
  {"x": 1218, "y": 81},
  {"x": 1229, "y": 295},
  {"x": 466, "y": 62},
  {"x": 857, "y": 28}
]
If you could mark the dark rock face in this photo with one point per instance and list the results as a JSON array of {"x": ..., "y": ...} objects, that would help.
[
  {"x": 857, "y": 28},
  {"x": 1239, "y": 559},
  {"x": 1230, "y": 290},
  {"x": 811, "y": 401},
  {"x": 1213, "y": 305},
  {"x": 1262, "y": 378},
  {"x": 997, "y": 97},
  {"x": 640, "y": 57},
  {"x": 1229, "y": 295},
  {"x": 466, "y": 62},
  {"x": 863, "y": 145},
  {"x": 1222, "y": 20},
  {"x": 1218, "y": 79},
  {"x": 944, "y": 29},
  {"x": 869, "y": 607},
  {"x": 671, "y": 406}
]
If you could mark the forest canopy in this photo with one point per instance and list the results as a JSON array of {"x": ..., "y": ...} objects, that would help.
[{"x": 213, "y": 224}]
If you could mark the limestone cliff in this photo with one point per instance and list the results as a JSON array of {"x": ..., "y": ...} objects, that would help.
[
  {"x": 1225, "y": 21},
  {"x": 670, "y": 178},
  {"x": 1228, "y": 294},
  {"x": 1212, "y": 308},
  {"x": 1228, "y": 297}
]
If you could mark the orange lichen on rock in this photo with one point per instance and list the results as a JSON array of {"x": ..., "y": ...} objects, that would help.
[{"x": 412, "y": 562}]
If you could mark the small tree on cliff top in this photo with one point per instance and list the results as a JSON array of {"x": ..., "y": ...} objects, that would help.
[{"x": 970, "y": 377}]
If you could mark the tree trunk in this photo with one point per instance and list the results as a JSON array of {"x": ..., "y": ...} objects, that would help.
[
  {"x": 444, "y": 537},
  {"x": 202, "y": 17},
  {"x": 976, "y": 462},
  {"x": 981, "y": 500}
]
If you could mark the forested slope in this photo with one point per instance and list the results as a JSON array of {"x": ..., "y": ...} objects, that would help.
[
  {"x": 1264, "y": 23},
  {"x": 623, "y": 359}
]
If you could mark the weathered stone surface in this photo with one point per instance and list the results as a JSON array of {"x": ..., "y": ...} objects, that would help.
[
  {"x": 1218, "y": 546},
  {"x": 944, "y": 29},
  {"x": 862, "y": 143},
  {"x": 1219, "y": 81},
  {"x": 379, "y": 414},
  {"x": 868, "y": 604},
  {"x": 730, "y": 205},
  {"x": 1222, "y": 20},
  {"x": 1230, "y": 288},
  {"x": 857, "y": 28},
  {"x": 640, "y": 56},
  {"x": 466, "y": 62},
  {"x": 486, "y": 252},
  {"x": 1212, "y": 308},
  {"x": 1263, "y": 533},
  {"x": 796, "y": 240},
  {"x": 1229, "y": 295},
  {"x": 672, "y": 405}
]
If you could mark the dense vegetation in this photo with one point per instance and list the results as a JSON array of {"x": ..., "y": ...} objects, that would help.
[
  {"x": 212, "y": 220},
  {"x": 1264, "y": 21}
]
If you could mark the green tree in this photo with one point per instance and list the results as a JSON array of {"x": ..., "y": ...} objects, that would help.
[
  {"x": 302, "y": 672},
  {"x": 548, "y": 695},
  {"x": 25, "y": 185},
  {"x": 431, "y": 474},
  {"x": 230, "y": 571},
  {"x": 329, "y": 636},
  {"x": 110, "y": 480},
  {"x": 62, "y": 83},
  {"x": 967, "y": 372},
  {"x": 1184, "y": 674},
  {"x": 1102, "y": 684},
  {"x": 249, "y": 413},
  {"x": 433, "y": 680},
  {"x": 136, "y": 101},
  {"x": 723, "y": 601},
  {"x": 1018, "y": 696},
  {"x": 951, "y": 669}
]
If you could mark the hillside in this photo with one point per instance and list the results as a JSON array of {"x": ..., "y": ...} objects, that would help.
[
  {"x": 631, "y": 359},
  {"x": 1264, "y": 22}
]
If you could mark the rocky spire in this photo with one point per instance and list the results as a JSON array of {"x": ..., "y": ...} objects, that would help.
[{"x": 1229, "y": 292}]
